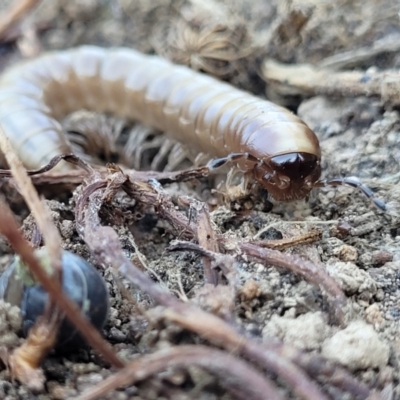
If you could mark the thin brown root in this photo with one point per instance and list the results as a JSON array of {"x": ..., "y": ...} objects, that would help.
[
  {"x": 312, "y": 272},
  {"x": 281, "y": 244},
  {"x": 41, "y": 213},
  {"x": 242, "y": 380},
  {"x": 307, "y": 80},
  {"x": 267, "y": 355},
  {"x": 308, "y": 270},
  {"x": 207, "y": 239},
  {"x": 223, "y": 261}
]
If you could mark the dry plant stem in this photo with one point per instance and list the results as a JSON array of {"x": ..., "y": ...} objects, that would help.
[
  {"x": 312, "y": 272},
  {"x": 76, "y": 177},
  {"x": 224, "y": 261},
  {"x": 281, "y": 244},
  {"x": 354, "y": 57},
  {"x": 104, "y": 244},
  {"x": 9, "y": 228},
  {"x": 24, "y": 362},
  {"x": 307, "y": 80},
  {"x": 12, "y": 15},
  {"x": 220, "y": 333},
  {"x": 313, "y": 364},
  {"x": 316, "y": 365},
  {"x": 242, "y": 380},
  {"x": 336, "y": 376},
  {"x": 147, "y": 194},
  {"x": 42, "y": 176},
  {"x": 223, "y": 334},
  {"x": 261, "y": 353},
  {"x": 36, "y": 347},
  {"x": 40, "y": 212},
  {"x": 207, "y": 240}
]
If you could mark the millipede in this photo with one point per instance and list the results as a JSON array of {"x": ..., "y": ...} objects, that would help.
[{"x": 264, "y": 140}]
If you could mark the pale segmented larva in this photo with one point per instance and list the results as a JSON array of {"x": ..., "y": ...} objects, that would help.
[{"x": 279, "y": 149}]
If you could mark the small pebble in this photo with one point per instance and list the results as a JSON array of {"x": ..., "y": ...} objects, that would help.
[{"x": 357, "y": 347}]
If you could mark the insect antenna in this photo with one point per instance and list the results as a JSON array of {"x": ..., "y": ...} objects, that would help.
[
  {"x": 352, "y": 181},
  {"x": 216, "y": 163}
]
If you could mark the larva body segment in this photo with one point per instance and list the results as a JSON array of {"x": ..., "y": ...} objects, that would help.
[{"x": 194, "y": 108}]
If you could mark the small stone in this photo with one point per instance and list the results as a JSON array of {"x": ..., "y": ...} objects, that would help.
[
  {"x": 374, "y": 316},
  {"x": 381, "y": 257},
  {"x": 218, "y": 300},
  {"x": 250, "y": 290},
  {"x": 67, "y": 229},
  {"x": 9, "y": 340},
  {"x": 59, "y": 392},
  {"x": 307, "y": 331},
  {"x": 343, "y": 228},
  {"x": 356, "y": 347},
  {"x": 10, "y": 317},
  {"x": 347, "y": 253},
  {"x": 352, "y": 279},
  {"x": 84, "y": 368}
]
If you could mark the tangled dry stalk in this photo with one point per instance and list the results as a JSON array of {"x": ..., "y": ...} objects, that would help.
[{"x": 248, "y": 356}]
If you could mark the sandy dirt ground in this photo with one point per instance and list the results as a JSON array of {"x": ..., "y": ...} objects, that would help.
[{"x": 358, "y": 245}]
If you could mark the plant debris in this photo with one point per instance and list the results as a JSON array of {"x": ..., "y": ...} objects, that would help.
[{"x": 213, "y": 298}]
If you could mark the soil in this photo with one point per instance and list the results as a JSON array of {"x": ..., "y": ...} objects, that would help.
[{"x": 359, "y": 245}]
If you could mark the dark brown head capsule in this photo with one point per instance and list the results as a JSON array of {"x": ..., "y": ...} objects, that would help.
[
  {"x": 289, "y": 176},
  {"x": 287, "y": 152}
]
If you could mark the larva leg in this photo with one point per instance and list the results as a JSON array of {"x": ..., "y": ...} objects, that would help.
[
  {"x": 238, "y": 181},
  {"x": 353, "y": 181},
  {"x": 201, "y": 159},
  {"x": 229, "y": 188},
  {"x": 162, "y": 154},
  {"x": 177, "y": 156},
  {"x": 133, "y": 149}
]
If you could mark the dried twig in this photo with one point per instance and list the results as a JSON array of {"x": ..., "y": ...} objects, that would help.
[
  {"x": 224, "y": 261},
  {"x": 9, "y": 228},
  {"x": 207, "y": 240},
  {"x": 242, "y": 380},
  {"x": 207, "y": 325},
  {"x": 312, "y": 272},
  {"x": 352, "y": 58},
  {"x": 313, "y": 364},
  {"x": 41, "y": 213},
  {"x": 70, "y": 158},
  {"x": 281, "y": 244},
  {"x": 273, "y": 356},
  {"x": 147, "y": 194},
  {"x": 307, "y": 80},
  {"x": 42, "y": 176},
  {"x": 53, "y": 244},
  {"x": 24, "y": 361}
]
